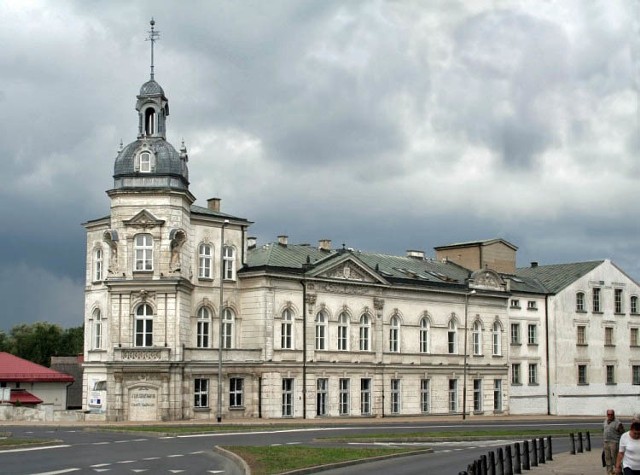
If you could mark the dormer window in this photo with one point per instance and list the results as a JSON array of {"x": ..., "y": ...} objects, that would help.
[{"x": 145, "y": 162}]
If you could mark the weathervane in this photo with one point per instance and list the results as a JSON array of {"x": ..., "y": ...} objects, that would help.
[{"x": 153, "y": 37}]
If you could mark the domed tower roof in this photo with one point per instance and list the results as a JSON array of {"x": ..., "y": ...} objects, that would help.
[{"x": 151, "y": 162}]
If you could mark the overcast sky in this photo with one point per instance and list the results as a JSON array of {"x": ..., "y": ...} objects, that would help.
[{"x": 383, "y": 125}]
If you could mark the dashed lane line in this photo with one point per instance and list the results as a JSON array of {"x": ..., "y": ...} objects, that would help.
[{"x": 29, "y": 449}]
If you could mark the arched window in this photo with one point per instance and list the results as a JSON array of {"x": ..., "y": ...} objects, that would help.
[
  {"x": 365, "y": 331},
  {"x": 343, "y": 332},
  {"x": 497, "y": 339},
  {"x": 452, "y": 337},
  {"x": 321, "y": 331},
  {"x": 97, "y": 329},
  {"x": 150, "y": 121},
  {"x": 98, "y": 265},
  {"x": 476, "y": 338},
  {"x": 394, "y": 334},
  {"x": 145, "y": 162},
  {"x": 144, "y": 325},
  {"x": 424, "y": 335},
  {"x": 580, "y": 302},
  {"x": 228, "y": 323},
  {"x": 205, "y": 256},
  {"x": 287, "y": 330},
  {"x": 229, "y": 263},
  {"x": 144, "y": 252},
  {"x": 203, "y": 331}
]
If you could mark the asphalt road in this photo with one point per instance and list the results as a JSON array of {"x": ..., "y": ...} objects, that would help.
[{"x": 88, "y": 451}]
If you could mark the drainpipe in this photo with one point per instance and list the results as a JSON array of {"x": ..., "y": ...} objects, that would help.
[
  {"x": 304, "y": 348},
  {"x": 220, "y": 315},
  {"x": 546, "y": 331}
]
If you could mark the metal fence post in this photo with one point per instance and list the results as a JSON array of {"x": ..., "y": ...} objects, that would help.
[
  {"x": 549, "y": 449},
  {"x": 525, "y": 456},
  {"x": 580, "y": 448},
  {"x": 518, "y": 463},
  {"x": 534, "y": 453}
]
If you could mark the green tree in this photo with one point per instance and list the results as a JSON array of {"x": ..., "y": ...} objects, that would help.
[
  {"x": 37, "y": 342},
  {"x": 72, "y": 342}
]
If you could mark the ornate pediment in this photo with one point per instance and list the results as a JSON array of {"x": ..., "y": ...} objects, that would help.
[
  {"x": 349, "y": 270},
  {"x": 144, "y": 220},
  {"x": 487, "y": 279}
]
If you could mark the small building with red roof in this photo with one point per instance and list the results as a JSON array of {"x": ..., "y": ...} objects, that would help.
[{"x": 24, "y": 383}]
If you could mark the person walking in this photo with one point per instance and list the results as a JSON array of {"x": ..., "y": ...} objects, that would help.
[
  {"x": 628, "y": 461},
  {"x": 613, "y": 429}
]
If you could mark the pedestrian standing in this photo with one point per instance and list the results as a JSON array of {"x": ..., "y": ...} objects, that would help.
[
  {"x": 628, "y": 461},
  {"x": 613, "y": 429}
]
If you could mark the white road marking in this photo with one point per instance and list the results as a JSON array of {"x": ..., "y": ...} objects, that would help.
[
  {"x": 66, "y": 470},
  {"x": 126, "y": 461},
  {"x": 29, "y": 449},
  {"x": 100, "y": 443},
  {"x": 175, "y": 455},
  {"x": 151, "y": 458},
  {"x": 98, "y": 465}
]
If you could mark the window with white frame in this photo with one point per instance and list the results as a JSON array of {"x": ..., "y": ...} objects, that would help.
[
  {"x": 205, "y": 260},
  {"x": 145, "y": 162},
  {"x": 532, "y": 334},
  {"x": 452, "y": 337},
  {"x": 497, "y": 339},
  {"x": 201, "y": 392},
  {"x": 477, "y": 395},
  {"x": 143, "y": 246},
  {"x": 516, "y": 378},
  {"x": 533, "y": 373},
  {"x": 395, "y": 396},
  {"x": 453, "y": 395},
  {"x": 286, "y": 330},
  {"x": 321, "y": 330},
  {"x": 581, "y": 337},
  {"x": 515, "y": 333},
  {"x": 365, "y": 331},
  {"x": 476, "y": 338},
  {"x": 617, "y": 300},
  {"x": 97, "y": 329},
  {"x": 580, "y": 302},
  {"x": 203, "y": 328},
  {"x": 394, "y": 334},
  {"x": 229, "y": 263},
  {"x": 98, "y": 265},
  {"x": 633, "y": 304},
  {"x": 424, "y": 335},
  {"x": 144, "y": 325},
  {"x": 236, "y": 392},
  {"x": 596, "y": 299},
  {"x": 515, "y": 303},
  {"x": 365, "y": 396},
  {"x": 287, "y": 397},
  {"x": 532, "y": 305},
  {"x": 228, "y": 324},
  {"x": 343, "y": 396},
  {"x": 497, "y": 395},
  {"x": 425, "y": 396},
  {"x": 322, "y": 389},
  {"x": 343, "y": 332}
]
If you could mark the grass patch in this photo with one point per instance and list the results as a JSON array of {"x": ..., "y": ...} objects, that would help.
[
  {"x": 266, "y": 460},
  {"x": 11, "y": 442},
  {"x": 455, "y": 435},
  {"x": 190, "y": 429}
]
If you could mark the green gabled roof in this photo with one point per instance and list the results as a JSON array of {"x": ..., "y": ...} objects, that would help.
[
  {"x": 556, "y": 277},
  {"x": 292, "y": 256},
  {"x": 208, "y": 212},
  {"x": 525, "y": 284}
]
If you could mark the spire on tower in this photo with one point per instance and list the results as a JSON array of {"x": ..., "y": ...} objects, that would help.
[{"x": 153, "y": 37}]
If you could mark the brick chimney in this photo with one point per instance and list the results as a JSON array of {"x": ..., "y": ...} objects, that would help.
[{"x": 214, "y": 204}]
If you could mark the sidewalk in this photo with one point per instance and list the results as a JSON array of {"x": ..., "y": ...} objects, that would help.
[{"x": 586, "y": 463}]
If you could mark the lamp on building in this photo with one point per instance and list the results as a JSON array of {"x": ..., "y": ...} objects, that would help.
[
  {"x": 464, "y": 366},
  {"x": 220, "y": 316}
]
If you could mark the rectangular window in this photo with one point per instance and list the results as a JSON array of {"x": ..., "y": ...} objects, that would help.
[
  {"x": 343, "y": 331},
  {"x": 581, "y": 337},
  {"x": 453, "y": 395},
  {"x": 395, "y": 396},
  {"x": 322, "y": 387},
  {"x": 533, "y": 373},
  {"x": 287, "y": 397},
  {"x": 608, "y": 336},
  {"x": 635, "y": 375},
  {"x": 532, "y": 305},
  {"x": 236, "y": 386},
  {"x": 617, "y": 300},
  {"x": 633, "y": 336},
  {"x": 515, "y": 374},
  {"x": 515, "y": 333},
  {"x": 596, "y": 300},
  {"x": 144, "y": 252},
  {"x": 477, "y": 395},
  {"x": 582, "y": 374},
  {"x": 228, "y": 263},
  {"x": 144, "y": 332},
  {"x": 204, "y": 261},
  {"x": 98, "y": 265},
  {"x": 633, "y": 303},
  {"x": 365, "y": 396},
  {"x": 497, "y": 395},
  {"x": 611, "y": 374},
  {"x": 425, "y": 395},
  {"x": 532, "y": 332},
  {"x": 580, "y": 302},
  {"x": 515, "y": 303},
  {"x": 201, "y": 392},
  {"x": 286, "y": 330},
  {"x": 344, "y": 396},
  {"x": 451, "y": 341}
]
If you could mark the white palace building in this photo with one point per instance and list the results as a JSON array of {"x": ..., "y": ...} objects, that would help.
[{"x": 187, "y": 317}]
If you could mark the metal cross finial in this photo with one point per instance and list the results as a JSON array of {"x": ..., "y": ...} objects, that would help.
[{"x": 153, "y": 37}]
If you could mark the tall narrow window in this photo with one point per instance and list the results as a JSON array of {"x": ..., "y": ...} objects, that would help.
[
  {"x": 97, "y": 329},
  {"x": 286, "y": 337},
  {"x": 201, "y": 392},
  {"x": 476, "y": 338},
  {"x": 322, "y": 388},
  {"x": 611, "y": 374},
  {"x": 477, "y": 395},
  {"x": 453, "y": 395},
  {"x": 633, "y": 336},
  {"x": 144, "y": 252},
  {"x": 596, "y": 300},
  {"x": 425, "y": 396},
  {"x": 395, "y": 396},
  {"x": 394, "y": 334},
  {"x": 533, "y": 373},
  {"x": 145, "y": 162},
  {"x": 633, "y": 304},
  {"x": 236, "y": 391},
  {"x": 515, "y": 374},
  {"x": 228, "y": 323},
  {"x": 532, "y": 331},
  {"x": 582, "y": 374},
  {"x": 365, "y": 330},
  {"x": 497, "y": 339},
  {"x": 365, "y": 396},
  {"x": 149, "y": 121},
  {"x": 635, "y": 375},
  {"x": 515, "y": 333},
  {"x": 287, "y": 397},
  {"x": 424, "y": 335},
  {"x": 343, "y": 396},
  {"x": 452, "y": 338},
  {"x": 203, "y": 328},
  {"x": 321, "y": 331},
  {"x": 497, "y": 395},
  {"x": 98, "y": 265},
  {"x": 144, "y": 326},
  {"x": 205, "y": 256},
  {"x": 580, "y": 302},
  {"x": 617, "y": 300},
  {"x": 581, "y": 335},
  {"x": 229, "y": 263},
  {"x": 343, "y": 332},
  {"x": 608, "y": 336}
]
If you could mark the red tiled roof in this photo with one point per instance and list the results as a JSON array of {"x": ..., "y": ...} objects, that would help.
[
  {"x": 13, "y": 368},
  {"x": 24, "y": 397}
]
